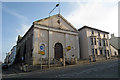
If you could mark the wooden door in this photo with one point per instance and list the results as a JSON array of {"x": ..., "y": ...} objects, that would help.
[{"x": 58, "y": 51}]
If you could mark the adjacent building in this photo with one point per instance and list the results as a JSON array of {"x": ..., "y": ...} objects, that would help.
[
  {"x": 6, "y": 60},
  {"x": 114, "y": 45},
  {"x": 52, "y": 38},
  {"x": 94, "y": 43},
  {"x": 10, "y": 57}
]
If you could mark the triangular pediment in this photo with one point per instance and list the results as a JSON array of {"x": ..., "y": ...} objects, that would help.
[{"x": 56, "y": 21}]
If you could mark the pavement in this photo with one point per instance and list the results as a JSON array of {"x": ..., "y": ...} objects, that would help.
[{"x": 84, "y": 69}]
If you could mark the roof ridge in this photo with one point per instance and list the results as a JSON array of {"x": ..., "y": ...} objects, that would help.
[{"x": 92, "y": 28}]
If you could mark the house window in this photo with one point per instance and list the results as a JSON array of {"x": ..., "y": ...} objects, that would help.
[
  {"x": 106, "y": 42},
  {"x": 105, "y": 52},
  {"x": 115, "y": 53},
  {"x": 108, "y": 52},
  {"x": 103, "y": 42},
  {"x": 99, "y": 42},
  {"x": 98, "y": 33},
  {"x": 96, "y": 51},
  {"x": 95, "y": 41},
  {"x": 92, "y": 51},
  {"x": 92, "y": 32},
  {"x": 91, "y": 41},
  {"x": 100, "y": 52},
  {"x": 58, "y": 21},
  {"x": 104, "y": 35}
]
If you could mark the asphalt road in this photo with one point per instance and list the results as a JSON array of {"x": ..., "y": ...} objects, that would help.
[{"x": 108, "y": 69}]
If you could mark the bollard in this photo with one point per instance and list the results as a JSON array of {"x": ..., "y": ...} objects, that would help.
[
  {"x": 75, "y": 60},
  {"x": 64, "y": 62},
  {"x": 61, "y": 60}
]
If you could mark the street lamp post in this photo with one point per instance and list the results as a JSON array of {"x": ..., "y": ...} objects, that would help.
[
  {"x": 48, "y": 34},
  {"x": 53, "y": 9}
]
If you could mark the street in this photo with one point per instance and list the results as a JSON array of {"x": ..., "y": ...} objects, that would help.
[{"x": 108, "y": 69}]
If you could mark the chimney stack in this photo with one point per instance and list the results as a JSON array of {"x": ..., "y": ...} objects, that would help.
[{"x": 112, "y": 35}]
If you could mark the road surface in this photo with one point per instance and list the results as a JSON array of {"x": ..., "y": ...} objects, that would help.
[{"x": 107, "y": 69}]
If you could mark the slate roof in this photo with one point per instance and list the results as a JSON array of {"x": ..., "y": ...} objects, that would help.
[
  {"x": 115, "y": 42},
  {"x": 93, "y": 29}
]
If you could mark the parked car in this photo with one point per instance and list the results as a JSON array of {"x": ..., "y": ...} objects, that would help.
[{"x": 4, "y": 66}]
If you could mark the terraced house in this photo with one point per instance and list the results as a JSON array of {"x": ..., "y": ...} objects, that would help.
[{"x": 94, "y": 43}]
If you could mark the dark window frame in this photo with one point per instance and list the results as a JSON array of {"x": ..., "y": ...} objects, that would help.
[
  {"x": 96, "y": 51},
  {"x": 108, "y": 52},
  {"x": 103, "y": 42},
  {"x": 91, "y": 41},
  {"x": 95, "y": 41},
  {"x": 106, "y": 43},
  {"x": 105, "y": 51},
  {"x": 92, "y": 32},
  {"x": 115, "y": 53},
  {"x": 93, "y": 51},
  {"x": 98, "y": 33},
  {"x": 100, "y": 42},
  {"x": 101, "y": 53},
  {"x": 104, "y": 35}
]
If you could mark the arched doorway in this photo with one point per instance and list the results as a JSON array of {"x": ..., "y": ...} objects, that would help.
[{"x": 58, "y": 51}]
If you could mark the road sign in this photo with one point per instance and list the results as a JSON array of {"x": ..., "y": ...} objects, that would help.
[
  {"x": 41, "y": 52},
  {"x": 41, "y": 47},
  {"x": 68, "y": 48}
]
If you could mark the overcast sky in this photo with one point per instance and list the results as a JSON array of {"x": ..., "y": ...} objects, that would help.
[{"x": 17, "y": 17}]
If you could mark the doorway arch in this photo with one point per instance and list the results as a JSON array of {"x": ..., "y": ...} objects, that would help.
[{"x": 58, "y": 50}]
